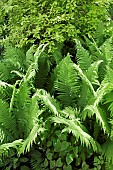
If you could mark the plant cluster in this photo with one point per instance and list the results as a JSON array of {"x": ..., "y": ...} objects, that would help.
[
  {"x": 33, "y": 22},
  {"x": 56, "y": 112}
]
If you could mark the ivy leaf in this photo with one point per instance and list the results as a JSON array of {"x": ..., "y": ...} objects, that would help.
[
  {"x": 69, "y": 167},
  {"x": 69, "y": 158},
  {"x": 64, "y": 145},
  {"x": 59, "y": 162}
]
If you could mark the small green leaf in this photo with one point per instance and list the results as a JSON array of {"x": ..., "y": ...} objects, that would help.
[
  {"x": 69, "y": 167},
  {"x": 64, "y": 145},
  {"x": 69, "y": 158},
  {"x": 75, "y": 150},
  {"x": 59, "y": 163},
  {"x": 45, "y": 163},
  {"x": 49, "y": 156},
  {"x": 49, "y": 143},
  {"x": 85, "y": 166},
  {"x": 57, "y": 146},
  {"x": 24, "y": 168},
  {"x": 52, "y": 164}
]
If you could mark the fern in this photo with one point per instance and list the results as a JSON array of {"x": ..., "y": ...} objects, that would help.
[
  {"x": 66, "y": 82},
  {"x": 78, "y": 130},
  {"x": 27, "y": 143},
  {"x": 83, "y": 56},
  {"x": 100, "y": 117},
  {"x": 108, "y": 151},
  {"x": 7, "y": 122}
]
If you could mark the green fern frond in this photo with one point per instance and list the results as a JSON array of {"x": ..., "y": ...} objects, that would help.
[
  {"x": 30, "y": 56},
  {"x": 83, "y": 56},
  {"x": 78, "y": 130},
  {"x": 37, "y": 160},
  {"x": 14, "y": 58},
  {"x": 4, "y": 148},
  {"x": 101, "y": 118},
  {"x": 91, "y": 46},
  {"x": 21, "y": 109},
  {"x": 99, "y": 35},
  {"x": 84, "y": 78},
  {"x": 49, "y": 101},
  {"x": 92, "y": 72},
  {"x": 7, "y": 122},
  {"x": 43, "y": 70},
  {"x": 107, "y": 150},
  {"x": 107, "y": 50},
  {"x": 28, "y": 142},
  {"x": 67, "y": 82},
  {"x": 4, "y": 73}
]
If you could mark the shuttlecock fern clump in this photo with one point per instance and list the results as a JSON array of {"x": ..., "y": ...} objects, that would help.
[{"x": 57, "y": 114}]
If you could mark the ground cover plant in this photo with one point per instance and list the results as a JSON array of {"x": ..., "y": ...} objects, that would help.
[{"x": 56, "y": 112}]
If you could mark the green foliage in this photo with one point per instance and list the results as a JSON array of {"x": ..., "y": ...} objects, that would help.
[
  {"x": 43, "y": 21},
  {"x": 64, "y": 123}
]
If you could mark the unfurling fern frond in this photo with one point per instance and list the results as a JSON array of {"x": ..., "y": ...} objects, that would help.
[
  {"x": 78, "y": 130},
  {"x": 66, "y": 82}
]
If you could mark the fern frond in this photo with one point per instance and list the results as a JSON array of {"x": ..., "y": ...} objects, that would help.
[
  {"x": 67, "y": 82},
  {"x": 21, "y": 109},
  {"x": 49, "y": 101},
  {"x": 107, "y": 50},
  {"x": 84, "y": 58},
  {"x": 4, "y": 148},
  {"x": 4, "y": 73},
  {"x": 91, "y": 110},
  {"x": 84, "y": 78},
  {"x": 28, "y": 142},
  {"x": 7, "y": 122},
  {"x": 30, "y": 56},
  {"x": 99, "y": 34},
  {"x": 107, "y": 150},
  {"x": 43, "y": 70},
  {"x": 78, "y": 130},
  {"x": 92, "y": 72},
  {"x": 14, "y": 58}
]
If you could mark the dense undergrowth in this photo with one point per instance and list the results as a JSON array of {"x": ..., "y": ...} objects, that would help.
[
  {"x": 57, "y": 112},
  {"x": 56, "y": 85}
]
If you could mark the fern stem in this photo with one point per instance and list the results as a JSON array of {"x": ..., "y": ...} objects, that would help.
[
  {"x": 12, "y": 98},
  {"x": 83, "y": 76}
]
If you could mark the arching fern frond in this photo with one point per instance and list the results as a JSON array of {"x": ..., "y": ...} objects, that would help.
[
  {"x": 49, "y": 101},
  {"x": 107, "y": 150},
  {"x": 78, "y": 130},
  {"x": 100, "y": 116},
  {"x": 27, "y": 143},
  {"x": 84, "y": 78},
  {"x": 4, "y": 148}
]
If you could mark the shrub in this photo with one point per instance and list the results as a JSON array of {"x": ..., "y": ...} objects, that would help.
[{"x": 34, "y": 22}]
